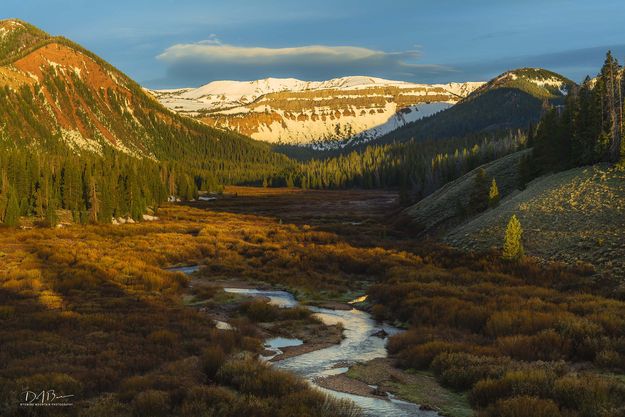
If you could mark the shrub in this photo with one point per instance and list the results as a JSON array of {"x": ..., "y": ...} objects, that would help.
[
  {"x": 546, "y": 345},
  {"x": 250, "y": 376},
  {"x": 211, "y": 360},
  {"x": 163, "y": 338},
  {"x": 610, "y": 359},
  {"x": 532, "y": 382},
  {"x": 463, "y": 370},
  {"x": 62, "y": 383},
  {"x": 421, "y": 356},
  {"x": 106, "y": 406},
  {"x": 379, "y": 312},
  {"x": 151, "y": 403},
  {"x": 208, "y": 401},
  {"x": 522, "y": 406},
  {"x": 260, "y": 311},
  {"x": 590, "y": 395},
  {"x": 514, "y": 322},
  {"x": 488, "y": 391}
]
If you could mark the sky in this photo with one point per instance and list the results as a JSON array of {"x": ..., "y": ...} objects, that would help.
[{"x": 187, "y": 43}]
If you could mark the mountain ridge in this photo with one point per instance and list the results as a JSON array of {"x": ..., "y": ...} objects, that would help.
[
  {"x": 318, "y": 113},
  {"x": 512, "y": 100},
  {"x": 54, "y": 92}
]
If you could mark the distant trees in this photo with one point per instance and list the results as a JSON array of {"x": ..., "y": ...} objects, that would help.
[
  {"x": 417, "y": 168},
  {"x": 483, "y": 196},
  {"x": 51, "y": 219},
  {"x": 513, "y": 244},
  {"x": 93, "y": 188}
]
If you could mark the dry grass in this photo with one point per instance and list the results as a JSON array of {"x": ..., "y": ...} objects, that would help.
[
  {"x": 576, "y": 216},
  {"x": 97, "y": 301}
]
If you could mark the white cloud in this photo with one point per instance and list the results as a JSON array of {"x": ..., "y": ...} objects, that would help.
[
  {"x": 213, "y": 49},
  {"x": 211, "y": 59}
]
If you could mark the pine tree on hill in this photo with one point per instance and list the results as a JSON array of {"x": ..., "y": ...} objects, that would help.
[
  {"x": 513, "y": 244},
  {"x": 493, "y": 194},
  {"x": 611, "y": 104},
  {"x": 479, "y": 197}
]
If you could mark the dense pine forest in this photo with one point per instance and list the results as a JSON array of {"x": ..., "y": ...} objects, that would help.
[
  {"x": 587, "y": 129},
  {"x": 415, "y": 167}
]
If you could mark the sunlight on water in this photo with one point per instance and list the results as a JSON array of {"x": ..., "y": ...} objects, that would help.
[
  {"x": 359, "y": 345},
  {"x": 277, "y": 298},
  {"x": 188, "y": 270},
  {"x": 360, "y": 299}
]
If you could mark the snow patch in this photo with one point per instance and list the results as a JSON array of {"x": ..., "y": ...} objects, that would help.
[{"x": 77, "y": 141}]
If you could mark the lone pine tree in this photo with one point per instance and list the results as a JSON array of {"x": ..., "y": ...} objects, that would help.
[
  {"x": 513, "y": 244},
  {"x": 493, "y": 194}
]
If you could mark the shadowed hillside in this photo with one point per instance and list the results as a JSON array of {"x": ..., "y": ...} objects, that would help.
[
  {"x": 512, "y": 100},
  {"x": 572, "y": 216},
  {"x": 447, "y": 206}
]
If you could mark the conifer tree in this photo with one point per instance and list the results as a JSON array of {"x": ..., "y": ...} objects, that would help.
[
  {"x": 493, "y": 194},
  {"x": 12, "y": 213},
  {"x": 51, "y": 217},
  {"x": 94, "y": 201},
  {"x": 479, "y": 197},
  {"x": 513, "y": 244}
]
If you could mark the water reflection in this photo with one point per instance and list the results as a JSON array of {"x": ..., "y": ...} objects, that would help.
[{"x": 360, "y": 344}]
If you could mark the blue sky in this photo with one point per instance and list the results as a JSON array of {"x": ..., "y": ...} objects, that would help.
[{"x": 173, "y": 43}]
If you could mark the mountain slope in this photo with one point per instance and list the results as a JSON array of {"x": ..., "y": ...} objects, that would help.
[
  {"x": 571, "y": 216},
  {"x": 55, "y": 93},
  {"x": 446, "y": 207},
  {"x": 292, "y": 111},
  {"x": 509, "y": 101}
]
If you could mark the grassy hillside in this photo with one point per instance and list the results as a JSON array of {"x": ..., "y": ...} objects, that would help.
[
  {"x": 572, "y": 216},
  {"x": 447, "y": 206}
]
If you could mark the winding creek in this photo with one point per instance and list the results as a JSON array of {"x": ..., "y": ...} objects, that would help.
[{"x": 359, "y": 345}]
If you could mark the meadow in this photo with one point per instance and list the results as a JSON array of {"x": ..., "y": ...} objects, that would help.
[{"x": 92, "y": 311}]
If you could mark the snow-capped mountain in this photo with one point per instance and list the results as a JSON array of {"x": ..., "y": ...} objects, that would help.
[{"x": 287, "y": 110}]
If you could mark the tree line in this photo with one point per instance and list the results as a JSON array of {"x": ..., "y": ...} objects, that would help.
[
  {"x": 586, "y": 130},
  {"x": 92, "y": 188},
  {"x": 416, "y": 167}
]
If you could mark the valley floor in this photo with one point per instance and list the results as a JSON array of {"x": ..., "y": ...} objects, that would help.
[{"x": 99, "y": 301}]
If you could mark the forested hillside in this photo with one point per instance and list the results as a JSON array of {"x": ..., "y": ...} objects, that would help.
[
  {"x": 102, "y": 132},
  {"x": 423, "y": 156},
  {"x": 512, "y": 100},
  {"x": 570, "y": 188},
  {"x": 416, "y": 168},
  {"x": 468, "y": 195},
  {"x": 589, "y": 129}
]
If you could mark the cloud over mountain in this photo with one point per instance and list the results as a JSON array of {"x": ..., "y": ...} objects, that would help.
[{"x": 211, "y": 60}]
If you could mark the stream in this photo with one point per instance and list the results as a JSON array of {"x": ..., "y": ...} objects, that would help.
[{"x": 358, "y": 345}]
